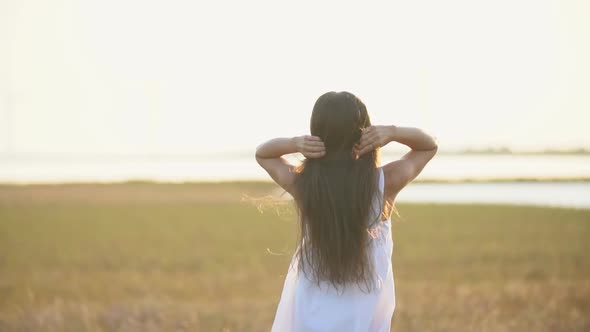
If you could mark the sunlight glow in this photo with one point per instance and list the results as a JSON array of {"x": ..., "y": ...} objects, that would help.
[{"x": 189, "y": 77}]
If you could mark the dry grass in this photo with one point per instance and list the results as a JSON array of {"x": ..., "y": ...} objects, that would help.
[{"x": 196, "y": 257}]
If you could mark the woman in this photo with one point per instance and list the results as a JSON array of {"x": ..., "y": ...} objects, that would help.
[{"x": 340, "y": 277}]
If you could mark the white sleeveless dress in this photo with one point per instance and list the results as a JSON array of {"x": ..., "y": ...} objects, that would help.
[{"x": 305, "y": 307}]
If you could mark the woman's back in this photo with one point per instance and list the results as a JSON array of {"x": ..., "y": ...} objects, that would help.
[{"x": 305, "y": 306}]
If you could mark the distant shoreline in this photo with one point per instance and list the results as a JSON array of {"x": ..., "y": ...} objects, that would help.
[
  {"x": 35, "y": 156},
  {"x": 266, "y": 182},
  {"x": 506, "y": 151}
]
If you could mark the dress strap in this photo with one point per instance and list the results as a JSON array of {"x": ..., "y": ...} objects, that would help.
[{"x": 381, "y": 180}]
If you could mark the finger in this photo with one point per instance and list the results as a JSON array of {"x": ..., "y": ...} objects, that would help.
[
  {"x": 360, "y": 147},
  {"x": 314, "y": 143},
  {"x": 313, "y": 138},
  {"x": 368, "y": 136},
  {"x": 365, "y": 150},
  {"x": 315, "y": 149},
  {"x": 315, "y": 154},
  {"x": 365, "y": 140},
  {"x": 367, "y": 143},
  {"x": 368, "y": 147}
]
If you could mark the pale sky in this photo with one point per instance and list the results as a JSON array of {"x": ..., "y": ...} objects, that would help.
[{"x": 189, "y": 76}]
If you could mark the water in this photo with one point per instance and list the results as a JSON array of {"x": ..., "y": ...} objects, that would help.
[
  {"x": 44, "y": 169},
  {"x": 562, "y": 194}
]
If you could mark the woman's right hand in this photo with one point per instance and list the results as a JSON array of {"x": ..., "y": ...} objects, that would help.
[{"x": 310, "y": 146}]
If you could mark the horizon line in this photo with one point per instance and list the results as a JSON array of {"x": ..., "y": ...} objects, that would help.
[{"x": 242, "y": 152}]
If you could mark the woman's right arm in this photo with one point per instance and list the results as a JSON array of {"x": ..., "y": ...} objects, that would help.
[{"x": 403, "y": 171}]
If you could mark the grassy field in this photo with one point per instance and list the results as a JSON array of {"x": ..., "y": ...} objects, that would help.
[{"x": 200, "y": 257}]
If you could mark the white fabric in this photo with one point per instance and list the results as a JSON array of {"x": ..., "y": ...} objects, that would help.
[{"x": 305, "y": 307}]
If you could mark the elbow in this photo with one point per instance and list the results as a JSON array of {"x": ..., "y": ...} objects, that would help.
[
  {"x": 434, "y": 150},
  {"x": 258, "y": 156},
  {"x": 435, "y": 144},
  {"x": 258, "y": 160}
]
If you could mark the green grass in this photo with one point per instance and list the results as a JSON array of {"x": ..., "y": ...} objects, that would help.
[{"x": 199, "y": 257}]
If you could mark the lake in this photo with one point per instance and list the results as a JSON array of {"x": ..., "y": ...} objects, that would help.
[
  {"x": 559, "y": 194},
  {"x": 53, "y": 169}
]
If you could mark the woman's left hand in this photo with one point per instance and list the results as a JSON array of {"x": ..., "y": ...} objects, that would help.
[
  {"x": 373, "y": 137},
  {"x": 310, "y": 146}
]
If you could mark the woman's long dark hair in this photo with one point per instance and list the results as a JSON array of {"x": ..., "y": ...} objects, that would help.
[{"x": 334, "y": 195}]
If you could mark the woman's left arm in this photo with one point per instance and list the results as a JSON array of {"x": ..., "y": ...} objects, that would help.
[{"x": 270, "y": 154}]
